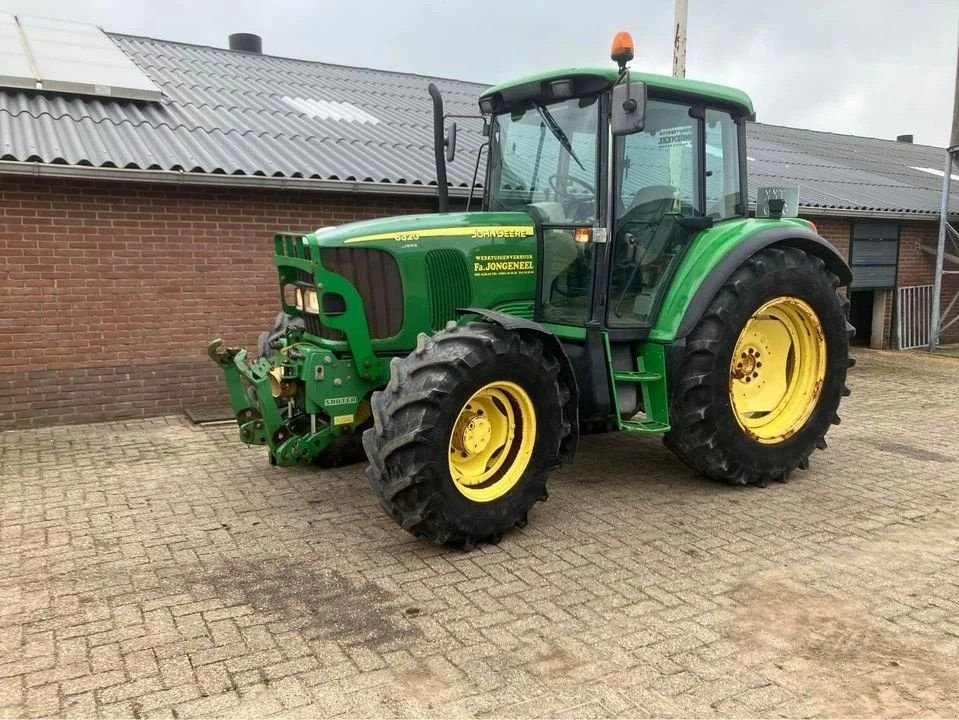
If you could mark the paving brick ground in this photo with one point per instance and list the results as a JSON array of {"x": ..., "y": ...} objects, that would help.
[{"x": 157, "y": 569}]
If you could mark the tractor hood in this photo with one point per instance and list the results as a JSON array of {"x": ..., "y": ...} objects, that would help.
[
  {"x": 464, "y": 228},
  {"x": 412, "y": 273}
]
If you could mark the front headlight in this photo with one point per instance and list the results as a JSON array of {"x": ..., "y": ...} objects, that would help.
[{"x": 307, "y": 301}]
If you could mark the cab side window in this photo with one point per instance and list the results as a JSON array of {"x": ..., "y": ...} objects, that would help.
[
  {"x": 723, "y": 188},
  {"x": 659, "y": 163}
]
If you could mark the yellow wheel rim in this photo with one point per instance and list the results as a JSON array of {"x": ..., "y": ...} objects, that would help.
[
  {"x": 777, "y": 370},
  {"x": 492, "y": 441}
]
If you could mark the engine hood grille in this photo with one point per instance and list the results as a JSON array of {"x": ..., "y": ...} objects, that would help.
[{"x": 375, "y": 275}]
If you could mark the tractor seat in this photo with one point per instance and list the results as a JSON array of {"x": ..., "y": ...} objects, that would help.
[{"x": 650, "y": 203}]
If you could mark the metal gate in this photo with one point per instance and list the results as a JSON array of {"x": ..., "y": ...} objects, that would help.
[{"x": 913, "y": 312}]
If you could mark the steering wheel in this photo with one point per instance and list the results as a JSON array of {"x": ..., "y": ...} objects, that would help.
[
  {"x": 553, "y": 181},
  {"x": 579, "y": 207},
  {"x": 649, "y": 208}
]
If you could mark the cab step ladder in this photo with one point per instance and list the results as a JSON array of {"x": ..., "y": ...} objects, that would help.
[{"x": 650, "y": 373}]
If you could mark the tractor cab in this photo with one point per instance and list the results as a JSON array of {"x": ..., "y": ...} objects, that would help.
[
  {"x": 620, "y": 172},
  {"x": 616, "y": 203}
]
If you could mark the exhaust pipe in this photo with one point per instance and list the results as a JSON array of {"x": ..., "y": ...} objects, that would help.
[{"x": 439, "y": 142}]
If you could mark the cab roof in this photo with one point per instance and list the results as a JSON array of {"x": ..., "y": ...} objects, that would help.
[{"x": 595, "y": 79}]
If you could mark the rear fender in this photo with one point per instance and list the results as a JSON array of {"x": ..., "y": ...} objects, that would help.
[{"x": 695, "y": 285}]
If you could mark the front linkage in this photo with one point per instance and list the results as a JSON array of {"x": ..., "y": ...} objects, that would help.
[{"x": 325, "y": 391}]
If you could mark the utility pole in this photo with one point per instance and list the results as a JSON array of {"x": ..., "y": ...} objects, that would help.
[
  {"x": 679, "y": 39},
  {"x": 945, "y": 229}
]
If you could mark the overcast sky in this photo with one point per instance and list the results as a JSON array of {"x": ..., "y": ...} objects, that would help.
[{"x": 868, "y": 67}]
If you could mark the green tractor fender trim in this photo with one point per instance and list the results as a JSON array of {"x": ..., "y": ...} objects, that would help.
[{"x": 717, "y": 253}]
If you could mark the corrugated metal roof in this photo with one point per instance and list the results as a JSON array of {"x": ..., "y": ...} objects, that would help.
[
  {"x": 846, "y": 172},
  {"x": 234, "y": 113},
  {"x": 225, "y": 112}
]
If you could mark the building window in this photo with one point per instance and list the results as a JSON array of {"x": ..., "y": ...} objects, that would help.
[{"x": 873, "y": 255}]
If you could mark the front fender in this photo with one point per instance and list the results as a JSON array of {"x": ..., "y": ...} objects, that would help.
[
  {"x": 553, "y": 346},
  {"x": 715, "y": 256}
]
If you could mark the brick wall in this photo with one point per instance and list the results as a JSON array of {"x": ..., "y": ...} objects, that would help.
[
  {"x": 836, "y": 230},
  {"x": 915, "y": 266},
  {"x": 110, "y": 292}
]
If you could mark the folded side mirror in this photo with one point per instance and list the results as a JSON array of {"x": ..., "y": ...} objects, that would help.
[
  {"x": 628, "y": 111},
  {"x": 450, "y": 142}
]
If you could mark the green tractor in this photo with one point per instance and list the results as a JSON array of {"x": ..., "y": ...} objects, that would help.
[{"x": 612, "y": 281}]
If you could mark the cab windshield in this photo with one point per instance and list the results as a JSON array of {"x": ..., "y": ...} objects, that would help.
[{"x": 543, "y": 161}]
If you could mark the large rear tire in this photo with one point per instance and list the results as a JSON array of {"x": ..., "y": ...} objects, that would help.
[
  {"x": 466, "y": 433},
  {"x": 763, "y": 372}
]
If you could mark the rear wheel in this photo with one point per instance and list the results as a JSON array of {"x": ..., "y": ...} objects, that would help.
[
  {"x": 466, "y": 433},
  {"x": 763, "y": 372},
  {"x": 777, "y": 369}
]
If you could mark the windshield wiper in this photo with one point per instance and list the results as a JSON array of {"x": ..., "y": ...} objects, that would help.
[{"x": 559, "y": 134}]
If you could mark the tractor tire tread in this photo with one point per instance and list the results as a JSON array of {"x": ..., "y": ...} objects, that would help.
[
  {"x": 402, "y": 470},
  {"x": 694, "y": 435}
]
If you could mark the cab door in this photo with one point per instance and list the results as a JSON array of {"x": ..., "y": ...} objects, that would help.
[{"x": 658, "y": 200}]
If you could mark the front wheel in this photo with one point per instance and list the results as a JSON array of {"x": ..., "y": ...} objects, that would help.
[
  {"x": 763, "y": 371},
  {"x": 466, "y": 432}
]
